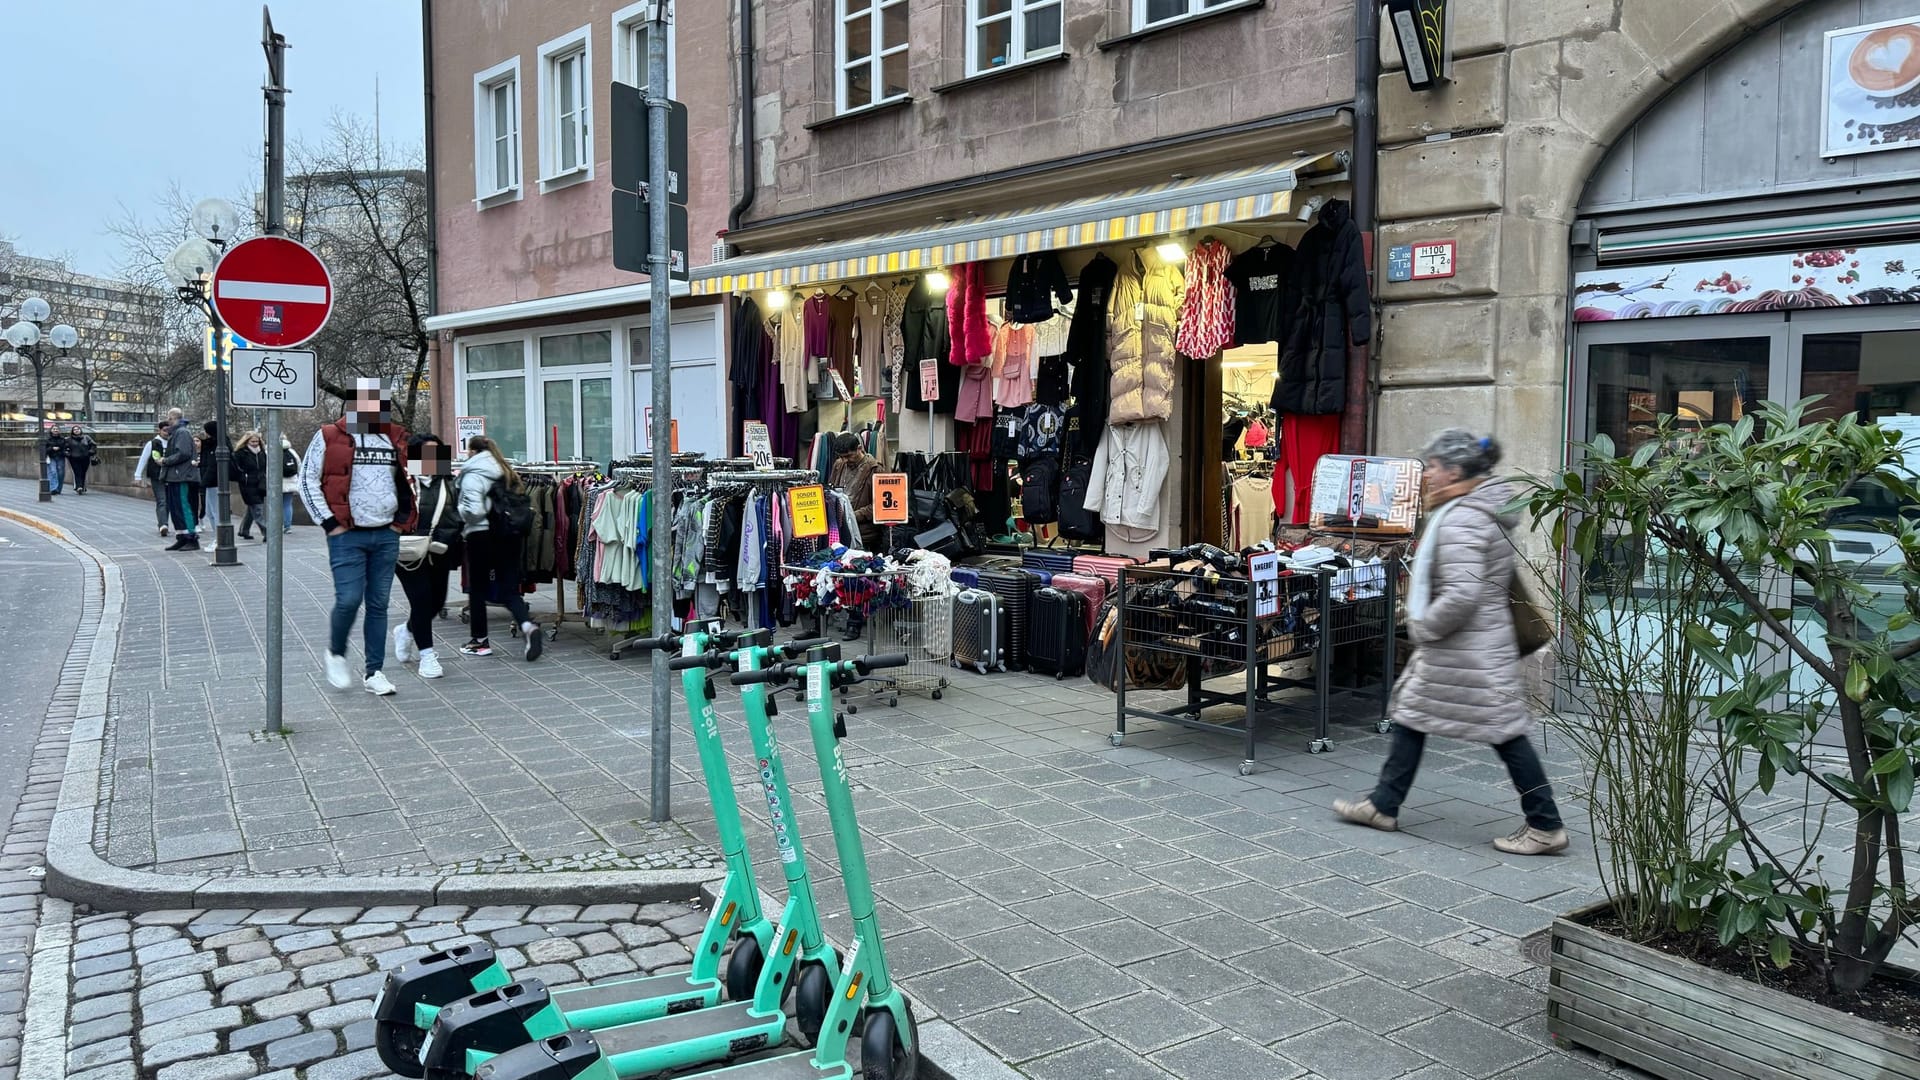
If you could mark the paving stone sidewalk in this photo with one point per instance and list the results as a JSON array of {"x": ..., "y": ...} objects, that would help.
[{"x": 1080, "y": 910}]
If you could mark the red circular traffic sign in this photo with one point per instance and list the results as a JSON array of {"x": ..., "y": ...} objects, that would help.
[{"x": 273, "y": 291}]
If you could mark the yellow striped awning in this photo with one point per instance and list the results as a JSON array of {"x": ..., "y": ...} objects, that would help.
[{"x": 1249, "y": 194}]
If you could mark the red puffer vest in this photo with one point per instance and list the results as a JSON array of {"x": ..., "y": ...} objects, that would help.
[{"x": 336, "y": 472}]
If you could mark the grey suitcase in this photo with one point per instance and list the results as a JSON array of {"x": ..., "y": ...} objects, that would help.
[{"x": 979, "y": 631}]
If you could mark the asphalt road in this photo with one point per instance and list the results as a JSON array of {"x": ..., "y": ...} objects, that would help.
[{"x": 40, "y": 607}]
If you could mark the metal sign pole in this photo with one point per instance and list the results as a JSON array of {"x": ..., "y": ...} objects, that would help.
[
  {"x": 660, "y": 320},
  {"x": 276, "y": 185}
]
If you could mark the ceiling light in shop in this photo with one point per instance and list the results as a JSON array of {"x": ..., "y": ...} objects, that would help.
[
  {"x": 1171, "y": 251},
  {"x": 937, "y": 280},
  {"x": 776, "y": 301}
]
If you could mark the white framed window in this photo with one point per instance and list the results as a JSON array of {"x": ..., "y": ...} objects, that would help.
[
  {"x": 870, "y": 50},
  {"x": 1002, "y": 33},
  {"x": 566, "y": 114},
  {"x": 496, "y": 133},
  {"x": 630, "y": 25},
  {"x": 1150, "y": 13}
]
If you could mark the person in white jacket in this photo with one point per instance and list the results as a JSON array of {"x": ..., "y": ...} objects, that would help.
[
  {"x": 1129, "y": 469},
  {"x": 289, "y": 483},
  {"x": 146, "y": 470}
]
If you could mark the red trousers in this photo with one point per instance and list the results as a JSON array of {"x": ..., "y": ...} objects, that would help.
[{"x": 1304, "y": 440}]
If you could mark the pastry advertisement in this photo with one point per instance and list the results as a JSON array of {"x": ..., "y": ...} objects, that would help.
[
  {"x": 1785, "y": 281},
  {"x": 1872, "y": 88}
]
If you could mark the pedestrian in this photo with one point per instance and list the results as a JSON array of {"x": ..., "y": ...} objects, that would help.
[
  {"x": 1463, "y": 680},
  {"x": 147, "y": 471},
  {"x": 289, "y": 483},
  {"x": 494, "y": 550},
  {"x": 210, "y": 469},
  {"x": 250, "y": 466},
  {"x": 429, "y": 552},
  {"x": 852, "y": 473},
  {"x": 181, "y": 476},
  {"x": 56, "y": 463},
  {"x": 354, "y": 483},
  {"x": 80, "y": 454}
]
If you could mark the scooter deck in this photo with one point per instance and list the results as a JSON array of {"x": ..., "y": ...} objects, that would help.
[
  {"x": 704, "y": 1025},
  {"x": 795, "y": 1066},
  {"x": 676, "y": 992}
]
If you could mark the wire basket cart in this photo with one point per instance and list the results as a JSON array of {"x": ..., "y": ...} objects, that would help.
[{"x": 903, "y": 613}]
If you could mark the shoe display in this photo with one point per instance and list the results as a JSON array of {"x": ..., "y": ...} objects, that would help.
[
  {"x": 378, "y": 684},
  {"x": 337, "y": 672},
  {"x": 429, "y": 665},
  {"x": 1362, "y": 812},
  {"x": 476, "y": 648},
  {"x": 403, "y": 650},
  {"x": 1532, "y": 841},
  {"x": 536, "y": 641}
]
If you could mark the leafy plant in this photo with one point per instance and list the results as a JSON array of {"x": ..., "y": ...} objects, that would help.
[{"x": 1719, "y": 637}]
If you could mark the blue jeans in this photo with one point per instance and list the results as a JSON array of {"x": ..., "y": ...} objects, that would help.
[
  {"x": 286, "y": 508},
  {"x": 56, "y": 472},
  {"x": 362, "y": 561}
]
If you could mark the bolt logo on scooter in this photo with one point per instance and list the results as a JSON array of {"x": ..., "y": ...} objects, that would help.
[
  {"x": 416, "y": 992},
  {"x": 466, "y": 1035}
]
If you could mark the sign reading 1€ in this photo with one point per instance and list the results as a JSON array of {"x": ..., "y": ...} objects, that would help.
[{"x": 809, "y": 506}]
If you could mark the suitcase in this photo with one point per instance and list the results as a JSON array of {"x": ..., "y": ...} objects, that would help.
[
  {"x": 1014, "y": 586},
  {"x": 979, "y": 631},
  {"x": 989, "y": 561},
  {"x": 1057, "y": 636},
  {"x": 1094, "y": 589},
  {"x": 1052, "y": 560},
  {"x": 965, "y": 576},
  {"x": 1104, "y": 567}
]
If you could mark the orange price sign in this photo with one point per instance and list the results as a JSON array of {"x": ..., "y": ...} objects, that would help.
[
  {"x": 890, "y": 498},
  {"x": 809, "y": 506}
]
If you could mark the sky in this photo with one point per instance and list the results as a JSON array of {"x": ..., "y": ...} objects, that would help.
[{"x": 119, "y": 98}]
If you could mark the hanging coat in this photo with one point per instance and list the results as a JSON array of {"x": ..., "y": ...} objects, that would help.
[
  {"x": 923, "y": 329},
  {"x": 1331, "y": 279},
  {"x": 1140, "y": 352},
  {"x": 1086, "y": 350}
]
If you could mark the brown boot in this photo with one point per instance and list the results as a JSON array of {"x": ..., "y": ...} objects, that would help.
[
  {"x": 1532, "y": 841},
  {"x": 1362, "y": 812}
]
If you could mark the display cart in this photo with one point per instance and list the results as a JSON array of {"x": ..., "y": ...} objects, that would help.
[{"x": 912, "y": 618}]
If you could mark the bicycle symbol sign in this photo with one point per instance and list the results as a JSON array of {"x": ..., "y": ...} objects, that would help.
[{"x": 273, "y": 379}]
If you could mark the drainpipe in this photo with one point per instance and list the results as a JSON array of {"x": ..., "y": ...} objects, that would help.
[
  {"x": 440, "y": 386},
  {"x": 747, "y": 164},
  {"x": 1363, "y": 366}
]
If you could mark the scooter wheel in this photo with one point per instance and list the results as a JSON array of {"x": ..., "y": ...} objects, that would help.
[
  {"x": 743, "y": 968},
  {"x": 398, "y": 1045},
  {"x": 812, "y": 993},
  {"x": 883, "y": 1054}
]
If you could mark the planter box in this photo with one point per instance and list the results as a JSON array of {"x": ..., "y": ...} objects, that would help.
[{"x": 1679, "y": 1020}]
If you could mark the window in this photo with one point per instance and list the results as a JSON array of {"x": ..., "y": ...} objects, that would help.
[
  {"x": 570, "y": 350},
  {"x": 566, "y": 96},
  {"x": 872, "y": 51},
  {"x": 1148, "y": 13},
  {"x": 496, "y": 388},
  {"x": 630, "y": 48},
  {"x": 496, "y": 131},
  {"x": 1005, "y": 32}
]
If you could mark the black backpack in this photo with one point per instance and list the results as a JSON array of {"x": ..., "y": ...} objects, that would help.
[
  {"x": 509, "y": 513},
  {"x": 1076, "y": 521}
]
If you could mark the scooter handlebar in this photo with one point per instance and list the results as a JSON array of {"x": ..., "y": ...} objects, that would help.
[
  {"x": 867, "y": 664},
  {"x": 706, "y": 660},
  {"x": 760, "y": 675},
  {"x": 795, "y": 648},
  {"x": 654, "y": 644}
]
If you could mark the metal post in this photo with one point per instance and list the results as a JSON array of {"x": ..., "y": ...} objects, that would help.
[
  {"x": 40, "y": 396},
  {"x": 223, "y": 551},
  {"x": 275, "y": 225},
  {"x": 660, "y": 320}
]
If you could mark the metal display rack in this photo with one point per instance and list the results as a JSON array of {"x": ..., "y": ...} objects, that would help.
[
  {"x": 922, "y": 629},
  {"x": 1216, "y": 625}
]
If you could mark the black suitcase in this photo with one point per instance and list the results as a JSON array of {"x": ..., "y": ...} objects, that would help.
[
  {"x": 979, "y": 631},
  {"x": 1057, "y": 633},
  {"x": 1015, "y": 588}
]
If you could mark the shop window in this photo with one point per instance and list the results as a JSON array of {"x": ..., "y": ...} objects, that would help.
[
  {"x": 566, "y": 93},
  {"x": 1002, "y": 33},
  {"x": 871, "y": 53},
  {"x": 630, "y": 47},
  {"x": 1151, "y": 13},
  {"x": 496, "y": 131},
  {"x": 504, "y": 404},
  {"x": 573, "y": 350},
  {"x": 502, "y": 356}
]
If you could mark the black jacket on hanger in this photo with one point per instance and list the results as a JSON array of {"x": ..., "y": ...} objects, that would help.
[
  {"x": 1335, "y": 310},
  {"x": 1033, "y": 284},
  {"x": 749, "y": 330},
  {"x": 1087, "y": 349},
  {"x": 923, "y": 326}
]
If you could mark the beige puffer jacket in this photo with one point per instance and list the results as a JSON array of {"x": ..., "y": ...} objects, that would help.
[
  {"x": 1140, "y": 327},
  {"x": 1463, "y": 681}
]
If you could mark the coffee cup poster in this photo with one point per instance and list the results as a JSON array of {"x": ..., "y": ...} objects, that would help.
[{"x": 1873, "y": 88}]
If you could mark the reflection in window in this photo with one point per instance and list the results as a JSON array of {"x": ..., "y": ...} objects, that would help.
[{"x": 504, "y": 404}]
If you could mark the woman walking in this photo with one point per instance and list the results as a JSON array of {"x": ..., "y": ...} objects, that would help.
[
  {"x": 148, "y": 471},
  {"x": 289, "y": 482},
  {"x": 493, "y": 556},
  {"x": 1463, "y": 681},
  {"x": 250, "y": 470},
  {"x": 429, "y": 552},
  {"x": 80, "y": 454}
]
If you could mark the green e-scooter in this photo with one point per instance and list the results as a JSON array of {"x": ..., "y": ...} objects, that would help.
[
  {"x": 889, "y": 1042},
  {"x": 467, "y": 1035},
  {"x": 415, "y": 993}
]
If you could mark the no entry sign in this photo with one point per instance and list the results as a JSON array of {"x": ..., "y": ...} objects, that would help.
[{"x": 273, "y": 291}]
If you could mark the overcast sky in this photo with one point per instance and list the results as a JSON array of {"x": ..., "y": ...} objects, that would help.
[{"x": 119, "y": 97}]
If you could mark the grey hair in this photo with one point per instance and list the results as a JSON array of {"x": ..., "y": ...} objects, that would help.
[{"x": 1473, "y": 455}]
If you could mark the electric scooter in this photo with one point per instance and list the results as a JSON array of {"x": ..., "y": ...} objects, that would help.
[
  {"x": 466, "y": 1035},
  {"x": 415, "y": 993},
  {"x": 889, "y": 1042}
]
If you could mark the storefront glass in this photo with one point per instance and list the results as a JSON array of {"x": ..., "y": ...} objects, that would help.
[
  {"x": 556, "y": 430},
  {"x": 596, "y": 419},
  {"x": 576, "y": 350},
  {"x": 504, "y": 403}
]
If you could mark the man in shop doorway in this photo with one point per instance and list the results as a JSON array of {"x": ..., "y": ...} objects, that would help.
[{"x": 852, "y": 472}]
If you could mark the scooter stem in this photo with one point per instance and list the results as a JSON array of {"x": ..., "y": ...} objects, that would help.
[
  {"x": 772, "y": 771},
  {"x": 740, "y": 890},
  {"x": 846, "y": 827}
]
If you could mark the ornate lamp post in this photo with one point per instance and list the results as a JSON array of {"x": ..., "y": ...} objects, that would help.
[
  {"x": 24, "y": 336},
  {"x": 190, "y": 271}
]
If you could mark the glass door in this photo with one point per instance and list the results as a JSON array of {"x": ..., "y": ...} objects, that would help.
[{"x": 577, "y": 419}]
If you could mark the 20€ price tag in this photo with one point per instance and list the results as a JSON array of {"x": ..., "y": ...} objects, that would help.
[
  {"x": 759, "y": 445},
  {"x": 890, "y": 498},
  {"x": 809, "y": 507}
]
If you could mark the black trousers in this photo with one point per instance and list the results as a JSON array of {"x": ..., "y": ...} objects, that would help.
[
  {"x": 1523, "y": 765},
  {"x": 80, "y": 467},
  {"x": 426, "y": 589},
  {"x": 493, "y": 561}
]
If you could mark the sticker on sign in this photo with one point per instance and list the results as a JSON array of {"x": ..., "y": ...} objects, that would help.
[{"x": 272, "y": 379}]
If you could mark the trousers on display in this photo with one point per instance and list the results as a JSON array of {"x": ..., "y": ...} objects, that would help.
[{"x": 1304, "y": 440}]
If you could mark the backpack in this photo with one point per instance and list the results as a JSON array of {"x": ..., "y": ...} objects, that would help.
[
  {"x": 509, "y": 513},
  {"x": 1040, "y": 490},
  {"x": 289, "y": 465},
  {"x": 1076, "y": 521},
  {"x": 1006, "y": 436}
]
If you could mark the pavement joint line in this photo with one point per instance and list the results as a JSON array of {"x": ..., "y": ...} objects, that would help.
[
  {"x": 43, "y": 1036},
  {"x": 76, "y": 872}
]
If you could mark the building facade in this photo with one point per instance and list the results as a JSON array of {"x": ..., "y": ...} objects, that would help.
[
  {"x": 536, "y": 333},
  {"x": 121, "y": 326}
]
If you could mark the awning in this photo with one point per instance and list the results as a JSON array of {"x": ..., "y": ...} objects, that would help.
[{"x": 1249, "y": 194}]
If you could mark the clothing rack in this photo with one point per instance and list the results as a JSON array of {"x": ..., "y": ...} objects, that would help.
[{"x": 558, "y": 470}]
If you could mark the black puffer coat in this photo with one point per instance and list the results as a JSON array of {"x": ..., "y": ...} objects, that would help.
[
  {"x": 1335, "y": 311},
  {"x": 248, "y": 467}
]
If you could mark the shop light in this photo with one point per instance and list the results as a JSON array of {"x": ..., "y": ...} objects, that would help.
[
  {"x": 1171, "y": 251},
  {"x": 777, "y": 300},
  {"x": 937, "y": 280}
]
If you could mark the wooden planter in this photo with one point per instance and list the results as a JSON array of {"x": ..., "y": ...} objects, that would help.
[{"x": 1679, "y": 1020}]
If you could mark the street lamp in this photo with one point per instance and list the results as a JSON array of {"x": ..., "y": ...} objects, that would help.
[
  {"x": 24, "y": 336},
  {"x": 190, "y": 270}
]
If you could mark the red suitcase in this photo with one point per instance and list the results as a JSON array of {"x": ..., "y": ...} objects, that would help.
[
  {"x": 1094, "y": 589},
  {"x": 1104, "y": 567}
]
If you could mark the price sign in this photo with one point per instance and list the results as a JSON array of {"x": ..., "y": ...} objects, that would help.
[
  {"x": 930, "y": 379},
  {"x": 759, "y": 445},
  {"x": 465, "y": 429},
  {"x": 1264, "y": 569},
  {"x": 839, "y": 386},
  {"x": 890, "y": 498},
  {"x": 646, "y": 432},
  {"x": 809, "y": 507}
]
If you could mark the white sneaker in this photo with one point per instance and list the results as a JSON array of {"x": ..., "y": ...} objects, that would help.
[
  {"x": 429, "y": 665},
  {"x": 378, "y": 684},
  {"x": 337, "y": 673},
  {"x": 403, "y": 650},
  {"x": 535, "y": 640}
]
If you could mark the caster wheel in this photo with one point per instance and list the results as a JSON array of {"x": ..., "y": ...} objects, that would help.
[
  {"x": 883, "y": 1054},
  {"x": 1246, "y": 768},
  {"x": 893, "y": 703},
  {"x": 853, "y": 710},
  {"x": 1383, "y": 726},
  {"x": 743, "y": 968},
  {"x": 812, "y": 993},
  {"x": 1319, "y": 746},
  {"x": 613, "y": 656},
  {"x": 1116, "y": 738},
  {"x": 936, "y": 695},
  {"x": 399, "y": 1047}
]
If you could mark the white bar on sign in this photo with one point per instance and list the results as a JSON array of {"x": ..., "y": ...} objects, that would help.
[{"x": 273, "y": 290}]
